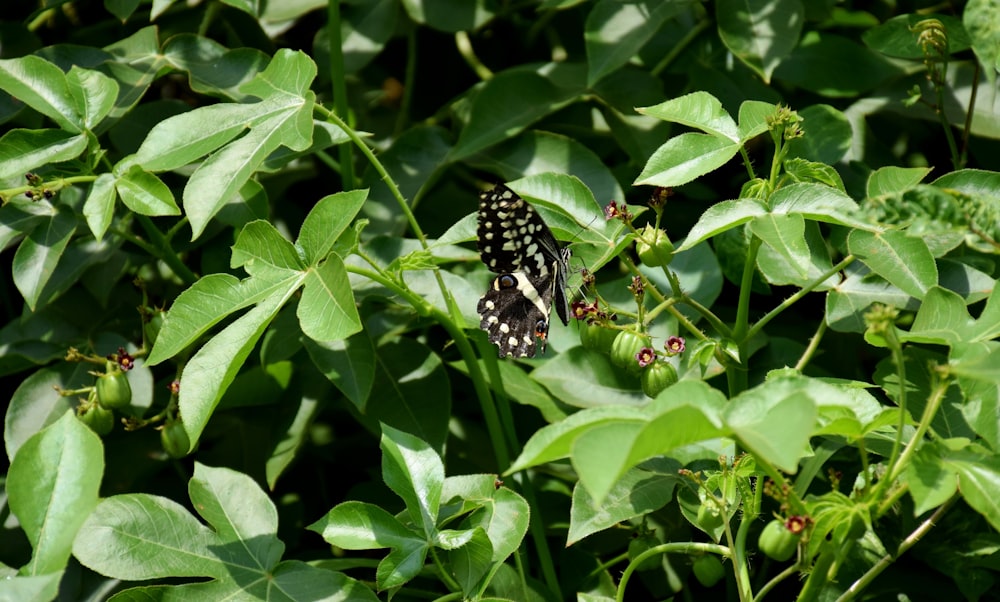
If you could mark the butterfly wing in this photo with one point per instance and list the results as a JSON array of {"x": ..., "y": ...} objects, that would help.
[
  {"x": 516, "y": 243},
  {"x": 514, "y": 312}
]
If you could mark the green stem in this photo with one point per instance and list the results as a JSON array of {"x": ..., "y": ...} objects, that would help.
[
  {"x": 896, "y": 348},
  {"x": 884, "y": 562},
  {"x": 668, "y": 548},
  {"x": 409, "y": 82},
  {"x": 161, "y": 249},
  {"x": 335, "y": 48},
  {"x": 798, "y": 295},
  {"x": 681, "y": 45},
  {"x": 467, "y": 53},
  {"x": 933, "y": 403}
]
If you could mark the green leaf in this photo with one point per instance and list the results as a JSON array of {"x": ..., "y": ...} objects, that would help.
[
  {"x": 827, "y": 136},
  {"x": 417, "y": 152},
  {"x": 207, "y": 375},
  {"x": 185, "y": 138},
  {"x": 99, "y": 209},
  {"x": 686, "y": 413},
  {"x": 785, "y": 235},
  {"x": 720, "y": 217},
  {"x": 412, "y": 391},
  {"x": 93, "y": 93},
  {"x": 979, "y": 479},
  {"x": 847, "y": 303},
  {"x": 144, "y": 193},
  {"x": 616, "y": 31},
  {"x": 784, "y": 261},
  {"x": 834, "y": 66},
  {"x": 129, "y": 522},
  {"x": 327, "y": 311},
  {"x": 606, "y": 384},
  {"x": 251, "y": 7},
  {"x": 508, "y": 103},
  {"x": 40, "y": 253},
  {"x": 220, "y": 177},
  {"x": 775, "y": 420},
  {"x": 327, "y": 220},
  {"x": 899, "y": 37},
  {"x": 535, "y": 153},
  {"x": 43, "y": 87},
  {"x": 21, "y": 151},
  {"x": 698, "y": 110},
  {"x": 761, "y": 33},
  {"x": 37, "y": 404},
  {"x": 556, "y": 441},
  {"x": 904, "y": 261},
  {"x": 22, "y": 587},
  {"x": 122, "y": 9},
  {"x": 292, "y": 440},
  {"x": 363, "y": 526},
  {"x": 636, "y": 493},
  {"x": 204, "y": 304},
  {"x": 929, "y": 479},
  {"x": 348, "y": 363},
  {"x": 753, "y": 117},
  {"x": 450, "y": 15},
  {"x": 53, "y": 485},
  {"x": 469, "y": 556},
  {"x": 365, "y": 29},
  {"x": 261, "y": 249},
  {"x": 686, "y": 157},
  {"x": 893, "y": 180},
  {"x": 942, "y": 319},
  {"x": 124, "y": 538},
  {"x": 817, "y": 202},
  {"x": 505, "y": 519},
  {"x": 982, "y": 23}
]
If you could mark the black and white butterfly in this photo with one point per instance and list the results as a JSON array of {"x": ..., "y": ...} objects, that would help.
[{"x": 515, "y": 243}]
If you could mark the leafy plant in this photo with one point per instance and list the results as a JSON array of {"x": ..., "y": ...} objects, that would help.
[{"x": 243, "y": 340}]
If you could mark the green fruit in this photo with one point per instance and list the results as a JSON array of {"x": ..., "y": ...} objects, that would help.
[
  {"x": 777, "y": 542},
  {"x": 597, "y": 337},
  {"x": 153, "y": 326},
  {"x": 175, "y": 440},
  {"x": 708, "y": 570},
  {"x": 624, "y": 349},
  {"x": 113, "y": 390},
  {"x": 708, "y": 519},
  {"x": 659, "y": 253},
  {"x": 100, "y": 420},
  {"x": 639, "y": 545},
  {"x": 657, "y": 377}
]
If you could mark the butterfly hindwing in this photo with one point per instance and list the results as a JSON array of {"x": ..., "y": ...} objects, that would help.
[
  {"x": 515, "y": 243},
  {"x": 514, "y": 312}
]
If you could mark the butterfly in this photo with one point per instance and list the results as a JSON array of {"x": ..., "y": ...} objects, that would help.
[{"x": 531, "y": 271}]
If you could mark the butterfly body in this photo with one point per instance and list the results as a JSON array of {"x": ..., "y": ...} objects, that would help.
[{"x": 515, "y": 243}]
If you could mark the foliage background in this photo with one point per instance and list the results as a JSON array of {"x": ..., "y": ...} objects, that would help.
[{"x": 454, "y": 96}]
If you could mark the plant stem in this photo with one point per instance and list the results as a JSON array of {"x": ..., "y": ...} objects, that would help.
[
  {"x": 335, "y": 47},
  {"x": 884, "y": 562}
]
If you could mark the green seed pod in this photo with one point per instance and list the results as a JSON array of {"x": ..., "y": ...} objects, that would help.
[
  {"x": 624, "y": 349},
  {"x": 113, "y": 390},
  {"x": 777, "y": 542},
  {"x": 175, "y": 440},
  {"x": 659, "y": 253},
  {"x": 656, "y": 377},
  {"x": 597, "y": 337},
  {"x": 708, "y": 570},
  {"x": 100, "y": 420}
]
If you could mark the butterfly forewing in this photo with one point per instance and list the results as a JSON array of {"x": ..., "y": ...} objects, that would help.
[{"x": 516, "y": 243}]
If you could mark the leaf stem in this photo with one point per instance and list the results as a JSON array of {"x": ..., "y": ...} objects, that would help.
[
  {"x": 335, "y": 48},
  {"x": 884, "y": 562}
]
